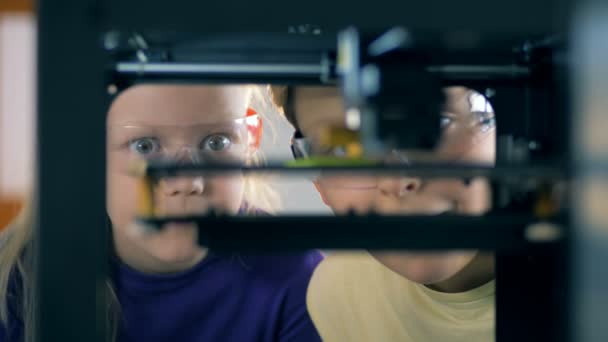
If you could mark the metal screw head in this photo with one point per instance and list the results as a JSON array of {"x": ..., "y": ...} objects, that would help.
[
  {"x": 543, "y": 232},
  {"x": 305, "y": 29},
  {"x": 533, "y": 145},
  {"x": 370, "y": 80},
  {"x": 489, "y": 93},
  {"x": 112, "y": 89},
  {"x": 111, "y": 40}
]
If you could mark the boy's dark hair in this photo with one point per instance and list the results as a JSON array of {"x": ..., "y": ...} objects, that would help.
[{"x": 284, "y": 96}]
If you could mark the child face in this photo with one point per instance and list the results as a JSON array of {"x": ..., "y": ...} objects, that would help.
[
  {"x": 190, "y": 124},
  {"x": 468, "y": 136}
]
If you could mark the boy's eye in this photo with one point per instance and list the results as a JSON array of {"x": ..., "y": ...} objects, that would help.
[
  {"x": 216, "y": 143},
  {"x": 445, "y": 121},
  {"x": 144, "y": 146},
  {"x": 486, "y": 121}
]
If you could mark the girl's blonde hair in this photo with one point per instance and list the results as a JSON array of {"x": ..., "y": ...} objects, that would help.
[
  {"x": 258, "y": 192},
  {"x": 16, "y": 240},
  {"x": 17, "y": 260}
]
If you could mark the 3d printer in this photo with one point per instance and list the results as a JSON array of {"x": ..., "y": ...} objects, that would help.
[{"x": 525, "y": 77}]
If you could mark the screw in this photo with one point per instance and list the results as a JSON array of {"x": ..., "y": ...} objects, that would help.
[
  {"x": 112, "y": 89},
  {"x": 111, "y": 40},
  {"x": 533, "y": 145},
  {"x": 543, "y": 232},
  {"x": 489, "y": 93}
]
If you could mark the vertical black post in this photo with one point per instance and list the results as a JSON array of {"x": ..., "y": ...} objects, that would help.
[
  {"x": 590, "y": 86},
  {"x": 71, "y": 172}
]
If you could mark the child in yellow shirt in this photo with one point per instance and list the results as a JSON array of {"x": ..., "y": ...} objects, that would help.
[{"x": 405, "y": 296}]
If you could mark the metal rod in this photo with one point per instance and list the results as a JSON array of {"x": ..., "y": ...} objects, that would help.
[
  {"x": 427, "y": 171},
  {"x": 480, "y": 71},
  {"x": 172, "y": 70},
  {"x": 312, "y": 70},
  {"x": 264, "y": 233},
  {"x": 589, "y": 145}
]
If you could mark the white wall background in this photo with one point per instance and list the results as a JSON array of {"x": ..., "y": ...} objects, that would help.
[
  {"x": 298, "y": 195},
  {"x": 17, "y": 103}
]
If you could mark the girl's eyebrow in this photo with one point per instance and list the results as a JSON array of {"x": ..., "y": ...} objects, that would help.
[
  {"x": 138, "y": 124},
  {"x": 128, "y": 123},
  {"x": 130, "y": 130}
]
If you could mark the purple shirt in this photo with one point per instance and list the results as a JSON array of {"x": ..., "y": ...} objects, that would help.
[
  {"x": 237, "y": 298},
  {"x": 223, "y": 298}
]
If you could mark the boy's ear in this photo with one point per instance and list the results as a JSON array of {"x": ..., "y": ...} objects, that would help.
[{"x": 320, "y": 190}]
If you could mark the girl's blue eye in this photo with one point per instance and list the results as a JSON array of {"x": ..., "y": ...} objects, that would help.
[
  {"x": 216, "y": 143},
  {"x": 144, "y": 146}
]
